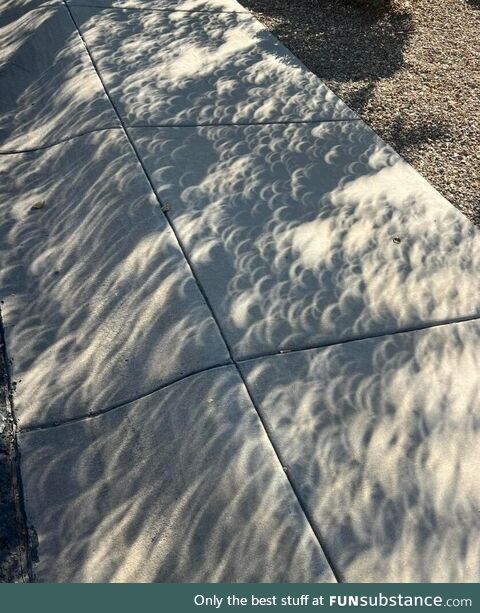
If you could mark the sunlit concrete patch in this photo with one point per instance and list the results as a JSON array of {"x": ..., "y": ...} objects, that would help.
[
  {"x": 181, "y": 486},
  {"x": 308, "y": 234},
  {"x": 179, "y": 5},
  {"x": 99, "y": 304},
  {"x": 201, "y": 68},
  {"x": 12, "y": 9},
  {"x": 381, "y": 439},
  {"x": 49, "y": 90}
]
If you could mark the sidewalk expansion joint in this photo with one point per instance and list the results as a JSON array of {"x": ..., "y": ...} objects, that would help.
[
  {"x": 236, "y": 363},
  {"x": 59, "y": 141},
  {"x": 359, "y": 338},
  {"x": 207, "y": 301},
  {"x": 232, "y": 362},
  {"x": 124, "y": 403},
  {"x": 243, "y": 124}
]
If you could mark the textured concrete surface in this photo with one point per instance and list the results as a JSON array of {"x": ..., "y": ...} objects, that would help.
[
  {"x": 160, "y": 5},
  {"x": 381, "y": 438},
  {"x": 182, "y": 485},
  {"x": 12, "y": 9},
  {"x": 301, "y": 225},
  {"x": 144, "y": 457},
  {"x": 202, "y": 68},
  {"x": 49, "y": 89},
  {"x": 99, "y": 305}
]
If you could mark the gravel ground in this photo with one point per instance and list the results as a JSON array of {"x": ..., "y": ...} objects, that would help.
[{"x": 412, "y": 73}]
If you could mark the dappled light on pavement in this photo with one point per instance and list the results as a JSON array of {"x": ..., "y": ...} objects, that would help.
[
  {"x": 202, "y": 68},
  {"x": 318, "y": 233},
  {"x": 241, "y": 329},
  {"x": 181, "y": 486},
  {"x": 100, "y": 306},
  {"x": 49, "y": 88},
  {"x": 381, "y": 438}
]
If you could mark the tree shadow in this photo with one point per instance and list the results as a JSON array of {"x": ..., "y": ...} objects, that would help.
[
  {"x": 408, "y": 136},
  {"x": 361, "y": 55},
  {"x": 339, "y": 42},
  {"x": 217, "y": 67},
  {"x": 380, "y": 436},
  {"x": 299, "y": 222},
  {"x": 49, "y": 88},
  {"x": 181, "y": 486},
  {"x": 90, "y": 274},
  {"x": 100, "y": 307},
  {"x": 299, "y": 234}
]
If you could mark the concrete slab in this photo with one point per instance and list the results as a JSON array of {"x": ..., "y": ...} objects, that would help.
[
  {"x": 201, "y": 68},
  {"x": 12, "y": 9},
  {"x": 306, "y": 234},
  {"x": 99, "y": 304},
  {"x": 179, "y": 5},
  {"x": 181, "y": 486},
  {"x": 381, "y": 438},
  {"x": 49, "y": 90}
]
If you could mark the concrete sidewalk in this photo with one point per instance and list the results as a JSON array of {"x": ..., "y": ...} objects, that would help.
[{"x": 245, "y": 333}]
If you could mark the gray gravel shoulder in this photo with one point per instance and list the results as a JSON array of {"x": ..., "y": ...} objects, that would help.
[{"x": 412, "y": 73}]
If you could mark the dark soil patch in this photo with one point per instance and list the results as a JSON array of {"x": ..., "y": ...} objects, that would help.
[{"x": 12, "y": 531}]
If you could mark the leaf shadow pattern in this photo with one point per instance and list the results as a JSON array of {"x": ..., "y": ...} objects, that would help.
[
  {"x": 299, "y": 222},
  {"x": 408, "y": 68},
  {"x": 380, "y": 437},
  {"x": 290, "y": 228},
  {"x": 200, "y": 68},
  {"x": 100, "y": 306},
  {"x": 49, "y": 88},
  {"x": 187, "y": 6},
  {"x": 180, "y": 486},
  {"x": 10, "y": 10}
]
